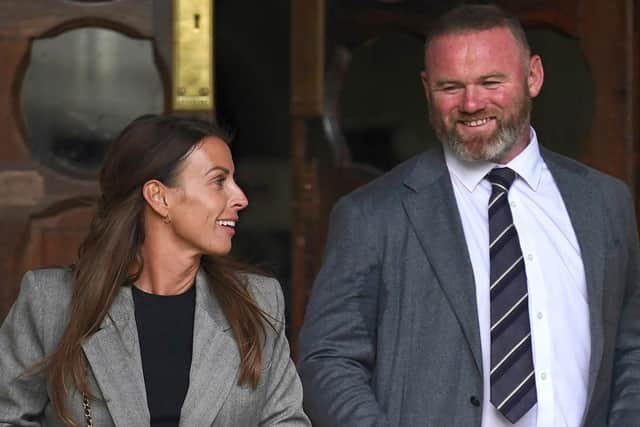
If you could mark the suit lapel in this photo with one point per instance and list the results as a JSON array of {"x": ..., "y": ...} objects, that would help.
[
  {"x": 586, "y": 217},
  {"x": 433, "y": 213},
  {"x": 215, "y": 362},
  {"x": 113, "y": 354},
  {"x": 441, "y": 235}
]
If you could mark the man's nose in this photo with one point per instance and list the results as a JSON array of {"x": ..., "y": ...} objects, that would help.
[{"x": 472, "y": 100}]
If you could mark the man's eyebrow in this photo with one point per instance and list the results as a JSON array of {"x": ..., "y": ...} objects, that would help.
[
  {"x": 440, "y": 83},
  {"x": 496, "y": 75},
  {"x": 500, "y": 76},
  {"x": 214, "y": 168}
]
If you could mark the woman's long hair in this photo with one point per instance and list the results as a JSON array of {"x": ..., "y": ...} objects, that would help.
[{"x": 151, "y": 147}]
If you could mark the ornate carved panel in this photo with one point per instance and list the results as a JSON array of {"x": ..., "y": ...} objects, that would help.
[{"x": 43, "y": 208}]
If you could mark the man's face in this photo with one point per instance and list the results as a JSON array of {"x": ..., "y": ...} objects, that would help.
[{"x": 479, "y": 87}]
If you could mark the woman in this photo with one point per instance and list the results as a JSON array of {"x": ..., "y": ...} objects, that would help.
[{"x": 153, "y": 325}]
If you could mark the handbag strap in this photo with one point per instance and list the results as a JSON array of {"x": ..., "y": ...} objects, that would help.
[{"x": 87, "y": 410}]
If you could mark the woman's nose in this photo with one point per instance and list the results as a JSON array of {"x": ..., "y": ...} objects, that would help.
[{"x": 239, "y": 199}]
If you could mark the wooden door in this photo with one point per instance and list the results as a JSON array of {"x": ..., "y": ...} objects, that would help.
[{"x": 47, "y": 196}]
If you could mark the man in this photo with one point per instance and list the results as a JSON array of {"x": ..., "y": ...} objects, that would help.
[{"x": 489, "y": 282}]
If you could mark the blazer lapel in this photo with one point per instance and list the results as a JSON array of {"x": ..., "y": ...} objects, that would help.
[
  {"x": 586, "y": 217},
  {"x": 215, "y": 361},
  {"x": 433, "y": 212},
  {"x": 113, "y": 354}
]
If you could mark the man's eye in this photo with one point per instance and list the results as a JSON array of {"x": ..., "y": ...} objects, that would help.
[
  {"x": 450, "y": 88},
  {"x": 491, "y": 83}
]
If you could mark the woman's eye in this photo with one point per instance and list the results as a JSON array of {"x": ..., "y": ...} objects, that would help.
[{"x": 219, "y": 181}]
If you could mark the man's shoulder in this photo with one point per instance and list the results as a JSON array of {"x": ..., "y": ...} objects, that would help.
[
  {"x": 560, "y": 164},
  {"x": 395, "y": 183}
]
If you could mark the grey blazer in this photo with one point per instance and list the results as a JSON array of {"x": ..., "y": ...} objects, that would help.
[
  {"x": 391, "y": 334},
  {"x": 35, "y": 324}
]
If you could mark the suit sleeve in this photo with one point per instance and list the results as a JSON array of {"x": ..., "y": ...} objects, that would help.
[
  {"x": 625, "y": 395},
  {"x": 23, "y": 397},
  {"x": 283, "y": 401},
  {"x": 338, "y": 339}
]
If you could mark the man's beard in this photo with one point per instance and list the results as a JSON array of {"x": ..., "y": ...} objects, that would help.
[{"x": 492, "y": 148}]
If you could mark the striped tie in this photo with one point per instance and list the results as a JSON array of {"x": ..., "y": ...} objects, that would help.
[{"x": 513, "y": 384}]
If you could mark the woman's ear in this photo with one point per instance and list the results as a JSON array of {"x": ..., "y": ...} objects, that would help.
[{"x": 155, "y": 194}]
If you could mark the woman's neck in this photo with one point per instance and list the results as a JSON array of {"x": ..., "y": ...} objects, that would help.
[{"x": 166, "y": 273}]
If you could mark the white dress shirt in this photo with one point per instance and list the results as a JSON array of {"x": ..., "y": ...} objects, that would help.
[{"x": 558, "y": 310}]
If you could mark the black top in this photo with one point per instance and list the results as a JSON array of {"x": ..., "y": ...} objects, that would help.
[{"x": 165, "y": 332}]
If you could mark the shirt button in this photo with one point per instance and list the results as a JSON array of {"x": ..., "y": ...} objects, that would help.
[
  {"x": 543, "y": 376},
  {"x": 513, "y": 204},
  {"x": 475, "y": 401},
  {"x": 539, "y": 315},
  {"x": 530, "y": 257}
]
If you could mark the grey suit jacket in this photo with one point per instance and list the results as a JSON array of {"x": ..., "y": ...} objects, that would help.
[
  {"x": 391, "y": 335},
  {"x": 35, "y": 324}
]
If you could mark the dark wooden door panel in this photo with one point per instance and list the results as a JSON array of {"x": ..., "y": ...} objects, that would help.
[
  {"x": 44, "y": 213},
  {"x": 53, "y": 239}
]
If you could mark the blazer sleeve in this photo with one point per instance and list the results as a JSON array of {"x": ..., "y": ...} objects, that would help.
[
  {"x": 23, "y": 396},
  {"x": 283, "y": 391},
  {"x": 338, "y": 339},
  {"x": 625, "y": 394}
]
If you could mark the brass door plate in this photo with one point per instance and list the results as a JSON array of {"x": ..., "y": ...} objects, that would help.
[{"x": 192, "y": 55}]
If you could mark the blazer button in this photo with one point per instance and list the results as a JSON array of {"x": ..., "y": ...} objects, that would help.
[{"x": 474, "y": 401}]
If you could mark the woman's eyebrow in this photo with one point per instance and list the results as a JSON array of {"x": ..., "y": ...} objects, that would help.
[{"x": 214, "y": 168}]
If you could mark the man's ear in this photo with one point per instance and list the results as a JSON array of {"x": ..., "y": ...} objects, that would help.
[
  {"x": 535, "y": 78},
  {"x": 155, "y": 194}
]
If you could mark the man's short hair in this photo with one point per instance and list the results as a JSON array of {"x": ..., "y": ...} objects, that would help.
[{"x": 477, "y": 17}]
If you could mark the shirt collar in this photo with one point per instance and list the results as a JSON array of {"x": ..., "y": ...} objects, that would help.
[{"x": 528, "y": 165}]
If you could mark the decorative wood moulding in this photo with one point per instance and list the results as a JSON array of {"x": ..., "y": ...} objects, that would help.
[
  {"x": 34, "y": 18},
  {"x": 307, "y": 57},
  {"x": 21, "y": 188}
]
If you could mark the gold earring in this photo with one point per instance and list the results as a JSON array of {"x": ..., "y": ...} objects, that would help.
[{"x": 166, "y": 219}]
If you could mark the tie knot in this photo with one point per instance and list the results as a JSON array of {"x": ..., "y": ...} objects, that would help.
[{"x": 502, "y": 177}]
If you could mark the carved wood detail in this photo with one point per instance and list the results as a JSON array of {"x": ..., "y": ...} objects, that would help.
[{"x": 46, "y": 230}]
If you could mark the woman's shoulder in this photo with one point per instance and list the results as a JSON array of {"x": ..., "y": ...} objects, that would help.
[
  {"x": 48, "y": 282},
  {"x": 51, "y": 274},
  {"x": 267, "y": 293},
  {"x": 43, "y": 302}
]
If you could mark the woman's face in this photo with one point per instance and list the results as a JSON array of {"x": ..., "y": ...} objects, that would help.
[{"x": 205, "y": 199}]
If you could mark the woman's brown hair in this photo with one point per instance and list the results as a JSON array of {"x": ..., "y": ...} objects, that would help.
[{"x": 151, "y": 147}]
